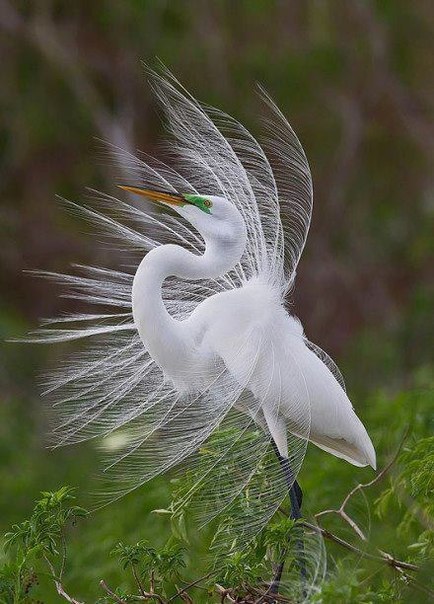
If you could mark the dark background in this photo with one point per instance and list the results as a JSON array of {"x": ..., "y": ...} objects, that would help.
[{"x": 355, "y": 80}]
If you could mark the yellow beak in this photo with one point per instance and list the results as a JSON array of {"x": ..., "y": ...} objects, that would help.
[{"x": 172, "y": 199}]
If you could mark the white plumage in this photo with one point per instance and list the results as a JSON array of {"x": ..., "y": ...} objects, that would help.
[
  {"x": 196, "y": 333},
  {"x": 247, "y": 328}
]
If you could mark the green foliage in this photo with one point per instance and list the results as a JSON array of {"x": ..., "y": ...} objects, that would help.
[
  {"x": 277, "y": 535},
  {"x": 402, "y": 502},
  {"x": 347, "y": 585},
  {"x": 241, "y": 569},
  {"x": 417, "y": 472},
  {"x": 254, "y": 566},
  {"x": 44, "y": 531},
  {"x": 153, "y": 570},
  {"x": 352, "y": 77},
  {"x": 165, "y": 563},
  {"x": 34, "y": 543},
  {"x": 412, "y": 490}
]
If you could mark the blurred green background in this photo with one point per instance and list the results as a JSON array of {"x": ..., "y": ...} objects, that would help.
[{"x": 355, "y": 80}]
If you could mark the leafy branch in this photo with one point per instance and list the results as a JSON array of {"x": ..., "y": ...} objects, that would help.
[
  {"x": 39, "y": 546},
  {"x": 341, "y": 511},
  {"x": 400, "y": 566},
  {"x": 41, "y": 537}
]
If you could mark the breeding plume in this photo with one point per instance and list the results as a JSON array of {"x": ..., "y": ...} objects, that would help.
[{"x": 191, "y": 335}]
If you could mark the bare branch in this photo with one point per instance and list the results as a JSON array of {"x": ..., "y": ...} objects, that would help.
[
  {"x": 111, "y": 593},
  {"x": 341, "y": 510},
  {"x": 189, "y": 586},
  {"x": 183, "y": 595},
  {"x": 59, "y": 587},
  {"x": 384, "y": 557},
  {"x": 137, "y": 580},
  {"x": 224, "y": 593},
  {"x": 145, "y": 597}
]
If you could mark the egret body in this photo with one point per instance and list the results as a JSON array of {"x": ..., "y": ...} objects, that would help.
[
  {"x": 218, "y": 324},
  {"x": 192, "y": 332}
]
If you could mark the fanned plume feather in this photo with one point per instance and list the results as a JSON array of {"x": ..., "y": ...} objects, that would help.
[{"x": 112, "y": 386}]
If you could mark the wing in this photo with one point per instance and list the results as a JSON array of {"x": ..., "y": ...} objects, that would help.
[
  {"x": 111, "y": 388},
  {"x": 328, "y": 362}
]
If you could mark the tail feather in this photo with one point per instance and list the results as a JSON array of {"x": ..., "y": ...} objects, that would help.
[{"x": 358, "y": 454}]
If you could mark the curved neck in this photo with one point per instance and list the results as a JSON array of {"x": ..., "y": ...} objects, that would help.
[{"x": 163, "y": 336}]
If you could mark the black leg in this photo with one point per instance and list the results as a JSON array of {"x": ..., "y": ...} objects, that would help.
[
  {"x": 298, "y": 493},
  {"x": 294, "y": 489},
  {"x": 296, "y": 499}
]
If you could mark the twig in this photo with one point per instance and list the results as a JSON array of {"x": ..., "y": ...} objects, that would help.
[
  {"x": 268, "y": 597},
  {"x": 152, "y": 582},
  {"x": 341, "y": 510},
  {"x": 417, "y": 585},
  {"x": 59, "y": 587},
  {"x": 224, "y": 593},
  {"x": 146, "y": 596},
  {"x": 183, "y": 595},
  {"x": 111, "y": 593},
  {"x": 62, "y": 568},
  {"x": 384, "y": 557},
  {"x": 137, "y": 580},
  {"x": 189, "y": 586}
]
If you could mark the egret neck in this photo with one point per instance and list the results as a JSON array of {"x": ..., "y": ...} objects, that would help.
[{"x": 165, "y": 337}]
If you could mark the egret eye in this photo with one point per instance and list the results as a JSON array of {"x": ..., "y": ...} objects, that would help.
[{"x": 207, "y": 203}]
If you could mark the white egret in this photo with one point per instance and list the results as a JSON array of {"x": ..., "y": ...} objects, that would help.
[{"x": 198, "y": 332}]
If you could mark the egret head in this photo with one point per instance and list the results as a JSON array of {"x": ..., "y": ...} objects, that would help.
[{"x": 216, "y": 218}]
